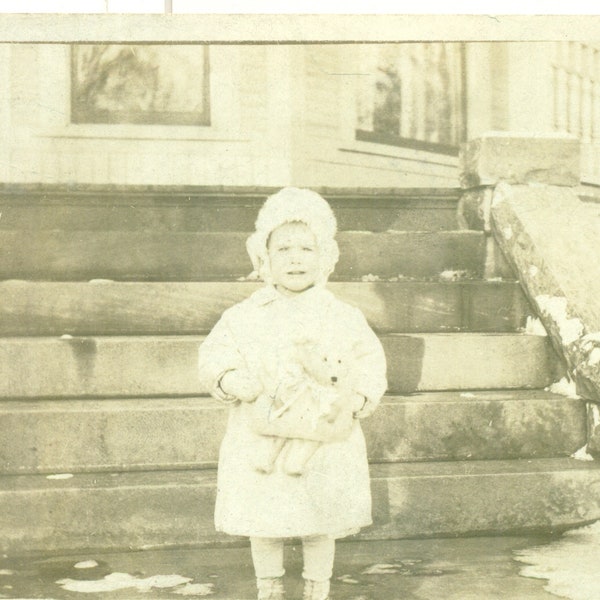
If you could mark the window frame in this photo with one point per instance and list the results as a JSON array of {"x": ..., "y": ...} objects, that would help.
[
  {"x": 225, "y": 118},
  {"x": 390, "y": 139},
  {"x": 79, "y": 115}
]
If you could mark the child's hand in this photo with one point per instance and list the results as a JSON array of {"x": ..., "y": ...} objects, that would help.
[
  {"x": 362, "y": 407},
  {"x": 241, "y": 384}
]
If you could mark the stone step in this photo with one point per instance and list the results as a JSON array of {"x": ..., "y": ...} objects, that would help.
[
  {"x": 191, "y": 256},
  {"x": 126, "y": 308},
  {"x": 166, "y": 365},
  {"x": 179, "y": 433},
  {"x": 197, "y": 209},
  {"x": 110, "y": 511}
]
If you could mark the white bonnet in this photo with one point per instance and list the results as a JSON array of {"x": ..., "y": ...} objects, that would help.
[{"x": 295, "y": 205}]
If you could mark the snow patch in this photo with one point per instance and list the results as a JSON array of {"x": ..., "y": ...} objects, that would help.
[
  {"x": 582, "y": 454},
  {"x": 196, "y": 589},
  {"x": 86, "y": 564},
  {"x": 591, "y": 343},
  {"x": 594, "y": 358},
  {"x": 382, "y": 569},
  {"x": 565, "y": 387},
  {"x": 95, "y": 281},
  {"x": 467, "y": 395},
  {"x": 6, "y": 572},
  {"x": 451, "y": 275},
  {"x": 534, "y": 326},
  {"x": 122, "y": 581},
  {"x": 533, "y": 271},
  {"x": 253, "y": 276},
  {"x": 347, "y": 579},
  {"x": 593, "y": 415},
  {"x": 370, "y": 277},
  {"x": 570, "y": 329},
  {"x": 66, "y": 336},
  {"x": 570, "y": 565},
  {"x": 60, "y": 476},
  {"x": 502, "y": 192}
]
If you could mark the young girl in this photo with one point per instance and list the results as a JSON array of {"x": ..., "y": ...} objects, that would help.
[{"x": 294, "y": 251}]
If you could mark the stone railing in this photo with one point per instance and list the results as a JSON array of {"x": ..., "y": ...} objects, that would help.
[{"x": 522, "y": 190}]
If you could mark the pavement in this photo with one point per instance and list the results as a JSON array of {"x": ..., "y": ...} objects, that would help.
[{"x": 451, "y": 569}]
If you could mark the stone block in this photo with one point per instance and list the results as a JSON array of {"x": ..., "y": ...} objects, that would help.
[
  {"x": 221, "y": 255},
  {"x": 181, "y": 433},
  {"x": 100, "y": 511},
  {"x": 520, "y": 159},
  {"x": 107, "y": 366},
  {"x": 38, "y": 308}
]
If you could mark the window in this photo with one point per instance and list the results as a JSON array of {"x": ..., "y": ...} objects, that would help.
[
  {"x": 153, "y": 84},
  {"x": 412, "y": 94},
  {"x": 576, "y": 73}
]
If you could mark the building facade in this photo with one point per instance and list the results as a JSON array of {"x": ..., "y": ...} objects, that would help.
[{"x": 339, "y": 115}]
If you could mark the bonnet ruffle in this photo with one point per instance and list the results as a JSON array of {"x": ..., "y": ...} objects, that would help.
[{"x": 295, "y": 205}]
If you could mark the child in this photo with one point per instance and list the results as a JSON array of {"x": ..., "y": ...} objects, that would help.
[{"x": 294, "y": 251}]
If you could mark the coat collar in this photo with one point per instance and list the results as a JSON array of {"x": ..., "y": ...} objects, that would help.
[{"x": 269, "y": 294}]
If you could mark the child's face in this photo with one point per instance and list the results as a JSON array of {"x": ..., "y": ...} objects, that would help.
[{"x": 294, "y": 258}]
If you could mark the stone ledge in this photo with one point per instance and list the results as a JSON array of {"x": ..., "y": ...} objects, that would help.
[
  {"x": 551, "y": 238},
  {"x": 515, "y": 159}
]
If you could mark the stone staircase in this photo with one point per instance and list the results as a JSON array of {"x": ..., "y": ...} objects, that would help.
[{"x": 109, "y": 443}]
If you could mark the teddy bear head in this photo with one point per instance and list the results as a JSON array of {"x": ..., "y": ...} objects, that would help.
[{"x": 326, "y": 365}]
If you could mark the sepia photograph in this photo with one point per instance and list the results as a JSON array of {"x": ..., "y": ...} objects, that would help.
[{"x": 299, "y": 306}]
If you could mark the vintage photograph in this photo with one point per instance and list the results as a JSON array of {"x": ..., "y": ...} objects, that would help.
[{"x": 299, "y": 306}]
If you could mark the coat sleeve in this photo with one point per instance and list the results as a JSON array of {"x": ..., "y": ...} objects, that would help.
[
  {"x": 370, "y": 365},
  {"x": 218, "y": 353}
]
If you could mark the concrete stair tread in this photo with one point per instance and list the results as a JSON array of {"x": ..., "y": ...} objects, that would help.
[
  {"x": 165, "y": 256},
  {"x": 116, "y": 480},
  {"x": 167, "y": 365},
  {"x": 133, "y": 434},
  {"x": 206, "y": 402},
  {"x": 474, "y": 396},
  {"x": 195, "y": 208},
  {"x": 136, "y": 510},
  {"x": 77, "y": 308},
  {"x": 208, "y": 477},
  {"x": 478, "y": 468}
]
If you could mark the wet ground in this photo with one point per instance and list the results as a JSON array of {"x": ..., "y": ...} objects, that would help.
[{"x": 449, "y": 569}]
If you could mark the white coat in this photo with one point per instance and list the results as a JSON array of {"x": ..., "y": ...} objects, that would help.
[{"x": 333, "y": 496}]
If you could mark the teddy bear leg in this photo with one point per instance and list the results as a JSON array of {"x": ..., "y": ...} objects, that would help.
[
  {"x": 298, "y": 453},
  {"x": 266, "y": 452}
]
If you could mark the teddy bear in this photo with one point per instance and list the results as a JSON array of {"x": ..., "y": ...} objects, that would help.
[{"x": 311, "y": 405}]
